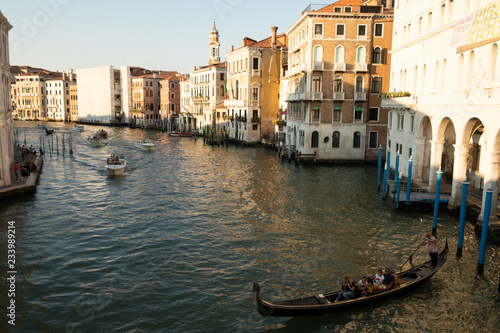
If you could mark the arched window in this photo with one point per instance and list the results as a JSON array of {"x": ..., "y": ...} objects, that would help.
[
  {"x": 422, "y": 84},
  {"x": 436, "y": 77},
  {"x": 361, "y": 55},
  {"x": 318, "y": 53},
  {"x": 356, "y": 143},
  {"x": 460, "y": 70},
  {"x": 316, "y": 84},
  {"x": 359, "y": 84},
  {"x": 468, "y": 75},
  {"x": 376, "y": 85},
  {"x": 492, "y": 64},
  {"x": 336, "y": 139},
  {"x": 314, "y": 139},
  {"x": 415, "y": 80},
  {"x": 338, "y": 84},
  {"x": 339, "y": 54},
  {"x": 442, "y": 78},
  {"x": 377, "y": 55}
]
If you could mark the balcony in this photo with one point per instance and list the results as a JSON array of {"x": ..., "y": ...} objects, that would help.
[
  {"x": 338, "y": 95},
  {"x": 255, "y": 72},
  {"x": 319, "y": 66},
  {"x": 339, "y": 66},
  {"x": 361, "y": 67},
  {"x": 313, "y": 96},
  {"x": 235, "y": 103},
  {"x": 360, "y": 96},
  {"x": 294, "y": 97}
]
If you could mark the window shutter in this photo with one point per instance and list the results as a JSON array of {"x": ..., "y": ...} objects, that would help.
[{"x": 384, "y": 56}]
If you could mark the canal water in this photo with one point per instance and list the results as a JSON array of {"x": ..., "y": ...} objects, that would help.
[{"x": 175, "y": 244}]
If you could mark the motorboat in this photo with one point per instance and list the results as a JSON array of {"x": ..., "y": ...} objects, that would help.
[
  {"x": 182, "y": 134},
  {"x": 102, "y": 134},
  {"x": 144, "y": 144},
  {"x": 94, "y": 141},
  {"x": 115, "y": 165},
  {"x": 78, "y": 128}
]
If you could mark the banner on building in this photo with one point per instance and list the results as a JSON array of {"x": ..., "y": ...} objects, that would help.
[{"x": 478, "y": 29}]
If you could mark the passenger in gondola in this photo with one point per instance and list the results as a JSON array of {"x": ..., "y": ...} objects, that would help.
[
  {"x": 348, "y": 289},
  {"x": 363, "y": 283},
  {"x": 379, "y": 277},
  {"x": 389, "y": 281}
]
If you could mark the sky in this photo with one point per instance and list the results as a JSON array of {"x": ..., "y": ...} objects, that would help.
[{"x": 154, "y": 34}]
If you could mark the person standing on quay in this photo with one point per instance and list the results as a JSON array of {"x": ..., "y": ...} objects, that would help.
[
  {"x": 433, "y": 249},
  {"x": 16, "y": 170}
]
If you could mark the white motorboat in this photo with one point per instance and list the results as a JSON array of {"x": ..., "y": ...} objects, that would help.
[
  {"x": 94, "y": 142},
  {"x": 116, "y": 165},
  {"x": 78, "y": 128},
  {"x": 144, "y": 144},
  {"x": 102, "y": 134}
]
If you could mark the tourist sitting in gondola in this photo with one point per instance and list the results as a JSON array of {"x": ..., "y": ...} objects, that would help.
[
  {"x": 348, "y": 289},
  {"x": 389, "y": 282},
  {"x": 379, "y": 277}
]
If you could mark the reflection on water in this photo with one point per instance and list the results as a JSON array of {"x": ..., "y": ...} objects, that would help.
[{"x": 175, "y": 244}]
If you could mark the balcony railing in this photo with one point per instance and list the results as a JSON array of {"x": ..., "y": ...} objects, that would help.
[
  {"x": 339, "y": 66},
  {"x": 314, "y": 96},
  {"x": 361, "y": 67},
  {"x": 360, "y": 96},
  {"x": 294, "y": 97},
  {"x": 338, "y": 95},
  {"x": 318, "y": 66}
]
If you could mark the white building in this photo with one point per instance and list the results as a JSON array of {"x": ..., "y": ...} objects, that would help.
[
  {"x": 186, "y": 120},
  {"x": 57, "y": 96},
  {"x": 100, "y": 94},
  {"x": 6, "y": 131},
  {"x": 445, "y": 55}
]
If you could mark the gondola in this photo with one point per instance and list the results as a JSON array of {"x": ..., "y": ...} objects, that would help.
[
  {"x": 321, "y": 304},
  {"x": 49, "y": 131}
]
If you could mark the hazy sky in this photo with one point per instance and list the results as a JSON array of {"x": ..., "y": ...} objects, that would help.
[{"x": 154, "y": 34}]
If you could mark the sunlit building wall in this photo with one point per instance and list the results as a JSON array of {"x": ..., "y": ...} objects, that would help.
[{"x": 6, "y": 131}]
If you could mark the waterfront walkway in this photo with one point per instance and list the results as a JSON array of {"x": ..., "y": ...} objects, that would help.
[{"x": 20, "y": 187}]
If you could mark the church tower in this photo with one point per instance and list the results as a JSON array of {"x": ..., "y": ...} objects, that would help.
[{"x": 214, "y": 46}]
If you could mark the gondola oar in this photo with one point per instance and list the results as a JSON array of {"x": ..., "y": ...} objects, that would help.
[{"x": 411, "y": 255}]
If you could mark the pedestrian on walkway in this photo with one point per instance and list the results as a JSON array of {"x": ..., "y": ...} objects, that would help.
[{"x": 16, "y": 170}]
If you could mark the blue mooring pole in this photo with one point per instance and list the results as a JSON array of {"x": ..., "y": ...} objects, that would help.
[
  {"x": 396, "y": 170},
  {"x": 463, "y": 208},
  {"x": 379, "y": 165},
  {"x": 484, "y": 231},
  {"x": 399, "y": 190},
  {"x": 408, "y": 187},
  {"x": 436, "y": 202},
  {"x": 388, "y": 169}
]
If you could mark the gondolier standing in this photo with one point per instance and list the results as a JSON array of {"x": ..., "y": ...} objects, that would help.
[{"x": 433, "y": 249}]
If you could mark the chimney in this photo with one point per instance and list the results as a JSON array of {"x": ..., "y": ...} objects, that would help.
[
  {"x": 232, "y": 48},
  {"x": 273, "y": 37},
  {"x": 245, "y": 41}
]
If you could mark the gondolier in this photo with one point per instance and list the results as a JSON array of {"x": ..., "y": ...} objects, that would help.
[{"x": 433, "y": 249}]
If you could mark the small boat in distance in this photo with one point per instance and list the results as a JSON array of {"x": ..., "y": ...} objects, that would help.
[
  {"x": 102, "y": 134},
  {"x": 183, "y": 134},
  {"x": 115, "y": 165},
  {"x": 320, "y": 304},
  {"x": 94, "y": 141},
  {"x": 78, "y": 128},
  {"x": 49, "y": 131},
  {"x": 144, "y": 144}
]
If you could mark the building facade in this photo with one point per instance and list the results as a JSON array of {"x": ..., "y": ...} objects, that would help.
[
  {"x": 207, "y": 88},
  {"x": 253, "y": 87},
  {"x": 73, "y": 102},
  {"x": 186, "y": 120},
  {"x": 57, "y": 97},
  {"x": 170, "y": 100},
  {"x": 6, "y": 126},
  {"x": 445, "y": 58},
  {"x": 338, "y": 57}
]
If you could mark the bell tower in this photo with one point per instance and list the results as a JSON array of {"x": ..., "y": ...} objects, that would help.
[{"x": 214, "y": 46}]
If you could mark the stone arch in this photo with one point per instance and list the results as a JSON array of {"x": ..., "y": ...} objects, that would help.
[
  {"x": 474, "y": 144},
  {"x": 423, "y": 150},
  {"x": 446, "y": 136}
]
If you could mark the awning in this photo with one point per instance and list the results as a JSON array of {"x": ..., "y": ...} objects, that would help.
[
  {"x": 358, "y": 108},
  {"x": 337, "y": 108},
  {"x": 315, "y": 107}
]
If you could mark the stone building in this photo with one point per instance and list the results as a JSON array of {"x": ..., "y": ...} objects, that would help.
[
  {"x": 445, "y": 57},
  {"x": 338, "y": 65},
  {"x": 170, "y": 99},
  {"x": 253, "y": 87},
  {"x": 207, "y": 88},
  {"x": 6, "y": 126}
]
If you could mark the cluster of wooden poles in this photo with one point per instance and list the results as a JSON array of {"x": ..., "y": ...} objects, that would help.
[{"x": 463, "y": 204}]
